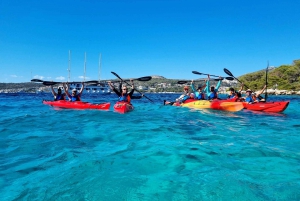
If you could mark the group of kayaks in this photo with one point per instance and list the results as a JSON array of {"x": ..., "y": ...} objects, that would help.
[
  {"x": 232, "y": 106},
  {"x": 225, "y": 105},
  {"x": 121, "y": 107}
]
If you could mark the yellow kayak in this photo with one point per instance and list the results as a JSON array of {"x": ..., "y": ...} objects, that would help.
[{"x": 215, "y": 104}]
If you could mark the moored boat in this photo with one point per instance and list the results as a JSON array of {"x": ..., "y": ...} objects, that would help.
[
  {"x": 123, "y": 107},
  {"x": 77, "y": 105}
]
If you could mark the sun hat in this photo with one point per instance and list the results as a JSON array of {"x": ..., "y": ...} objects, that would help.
[{"x": 249, "y": 90}]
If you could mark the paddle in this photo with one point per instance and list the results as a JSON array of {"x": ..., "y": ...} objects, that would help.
[
  {"x": 230, "y": 74},
  {"x": 49, "y": 83},
  {"x": 142, "y": 79},
  {"x": 36, "y": 80},
  {"x": 184, "y": 81},
  {"x": 227, "y": 78},
  {"x": 115, "y": 74},
  {"x": 266, "y": 94}
]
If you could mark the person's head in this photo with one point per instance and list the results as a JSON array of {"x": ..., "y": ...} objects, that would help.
[
  {"x": 74, "y": 92},
  {"x": 124, "y": 89},
  {"x": 238, "y": 94},
  {"x": 212, "y": 89},
  {"x": 186, "y": 88},
  {"x": 59, "y": 90},
  {"x": 231, "y": 90},
  {"x": 199, "y": 88},
  {"x": 248, "y": 92}
]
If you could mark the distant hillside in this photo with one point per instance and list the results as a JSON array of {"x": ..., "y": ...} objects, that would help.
[{"x": 284, "y": 77}]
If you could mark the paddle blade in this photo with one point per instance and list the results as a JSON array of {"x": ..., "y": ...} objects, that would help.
[
  {"x": 48, "y": 83},
  {"x": 229, "y": 78},
  {"x": 196, "y": 72},
  {"x": 182, "y": 82},
  {"x": 115, "y": 74},
  {"x": 228, "y": 72},
  {"x": 143, "y": 79},
  {"x": 36, "y": 80}
]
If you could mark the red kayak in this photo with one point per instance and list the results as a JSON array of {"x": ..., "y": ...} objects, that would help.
[
  {"x": 77, "y": 105},
  {"x": 123, "y": 107},
  {"x": 267, "y": 106}
]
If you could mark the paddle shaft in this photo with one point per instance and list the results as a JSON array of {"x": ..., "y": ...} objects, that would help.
[{"x": 129, "y": 84}]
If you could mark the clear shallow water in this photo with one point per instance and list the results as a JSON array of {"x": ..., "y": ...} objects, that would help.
[{"x": 155, "y": 152}]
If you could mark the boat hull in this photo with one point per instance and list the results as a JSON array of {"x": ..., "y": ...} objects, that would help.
[
  {"x": 77, "y": 105},
  {"x": 123, "y": 107},
  {"x": 267, "y": 106},
  {"x": 215, "y": 105}
]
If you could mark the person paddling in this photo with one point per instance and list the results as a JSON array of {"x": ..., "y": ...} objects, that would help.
[
  {"x": 58, "y": 95},
  {"x": 212, "y": 92},
  {"x": 123, "y": 95},
  {"x": 186, "y": 95},
  {"x": 199, "y": 93},
  {"x": 74, "y": 96}
]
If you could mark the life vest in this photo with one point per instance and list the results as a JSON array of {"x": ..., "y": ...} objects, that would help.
[
  {"x": 59, "y": 97},
  {"x": 185, "y": 98},
  {"x": 125, "y": 98},
  {"x": 200, "y": 96},
  {"x": 231, "y": 96},
  {"x": 74, "y": 98},
  {"x": 249, "y": 99},
  {"x": 213, "y": 95}
]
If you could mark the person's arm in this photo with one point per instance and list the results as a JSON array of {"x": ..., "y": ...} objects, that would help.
[
  {"x": 113, "y": 88},
  {"x": 81, "y": 90},
  {"x": 242, "y": 86},
  {"x": 207, "y": 86},
  {"x": 258, "y": 94},
  {"x": 218, "y": 85},
  {"x": 193, "y": 87},
  {"x": 66, "y": 88},
  {"x": 53, "y": 92},
  {"x": 132, "y": 90},
  {"x": 120, "y": 87}
]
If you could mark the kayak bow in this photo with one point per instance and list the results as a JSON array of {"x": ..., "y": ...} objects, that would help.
[
  {"x": 77, "y": 105},
  {"x": 123, "y": 107}
]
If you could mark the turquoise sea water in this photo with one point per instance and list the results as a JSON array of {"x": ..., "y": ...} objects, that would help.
[{"x": 154, "y": 153}]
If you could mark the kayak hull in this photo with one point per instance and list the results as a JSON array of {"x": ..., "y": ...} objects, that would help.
[
  {"x": 123, "y": 107},
  {"x": 77, "y": 105},
  {"x": 267, "y": 106},
  {"x": 215, "y": 105}
]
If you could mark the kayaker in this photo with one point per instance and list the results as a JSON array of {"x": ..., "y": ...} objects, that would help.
[
  {"x": 133, "y": 96},
  {"x": 186, "y": 95},
  {"x": 235, "y": 94},
  {"x": 123, "y": 95},
  {"x": 58, "y": 95},
  {"x": 74, "y": 96},
  {"x": 257, "y": 96},
  {"x": 199, "y": 93},
  {"x": 212, "y": 92},
  {"x": 249, "y": 98}
]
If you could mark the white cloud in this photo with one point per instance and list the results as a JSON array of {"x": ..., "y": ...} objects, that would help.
[
  {"x": 38, "y": 77},
  {"x": 82, "y": 77},
  {"x": 13, "y": 76},
  {"x": 60, "y": 78}
]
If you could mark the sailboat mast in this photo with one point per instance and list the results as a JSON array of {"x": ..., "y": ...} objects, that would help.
[
  {"x": 84, "y": 66},
  {"x": 69, "y": 68},
  {"x": 100, "y": 58}
]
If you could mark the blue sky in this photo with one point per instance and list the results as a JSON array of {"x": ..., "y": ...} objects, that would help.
[{"x": 147, "y": 37}]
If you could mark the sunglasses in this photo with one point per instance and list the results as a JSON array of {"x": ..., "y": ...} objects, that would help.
[{"x": 124, "y": 89}]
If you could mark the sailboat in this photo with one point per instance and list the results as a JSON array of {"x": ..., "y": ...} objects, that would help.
[{"x": 100, "y": 87}]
